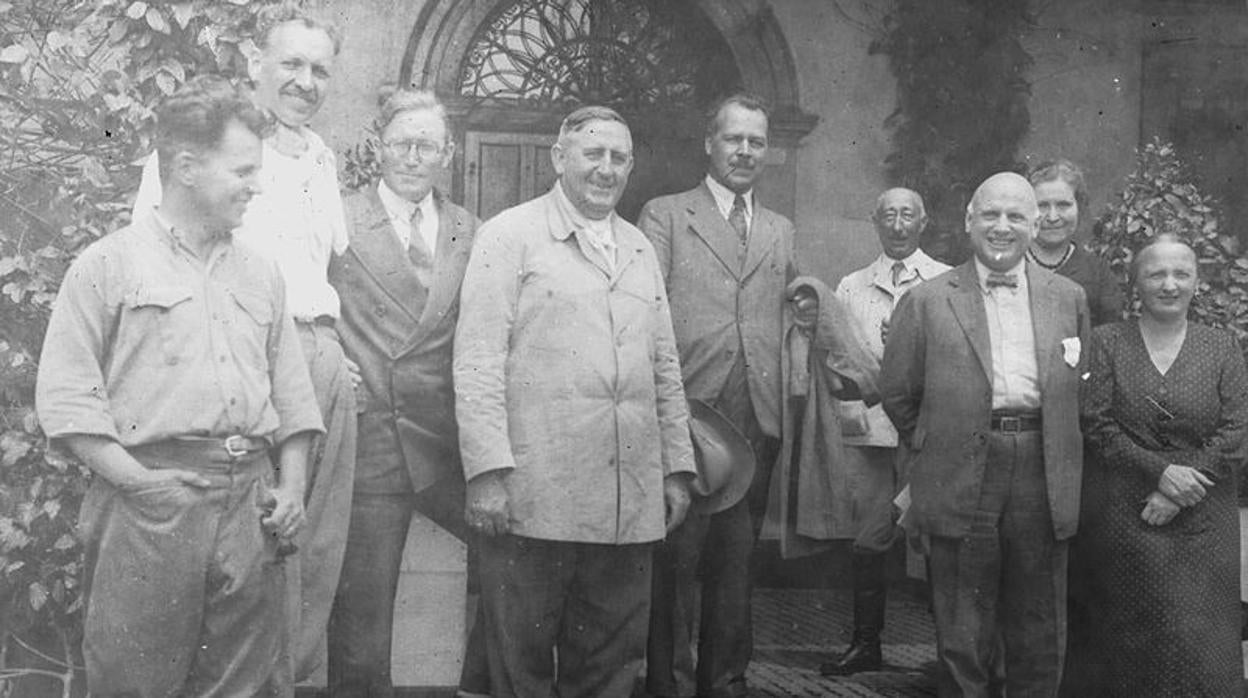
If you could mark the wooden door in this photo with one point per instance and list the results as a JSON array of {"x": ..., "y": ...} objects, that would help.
[{"x": 505, "y": 169}]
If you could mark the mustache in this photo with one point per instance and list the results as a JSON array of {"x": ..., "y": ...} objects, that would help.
[{"x": 301, "y": 93}]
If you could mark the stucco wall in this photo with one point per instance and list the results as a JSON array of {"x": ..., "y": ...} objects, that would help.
[
  {"x": 1085, "y": 99},
  {"x": 840, "y": 163}
]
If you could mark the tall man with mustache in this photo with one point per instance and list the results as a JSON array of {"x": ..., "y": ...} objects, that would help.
[
  {"x": 726, "y": 262},
  {"x": 297, "y": 221}
]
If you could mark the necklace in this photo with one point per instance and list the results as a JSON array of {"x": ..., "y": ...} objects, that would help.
[{"x": 1070, "y": 249}]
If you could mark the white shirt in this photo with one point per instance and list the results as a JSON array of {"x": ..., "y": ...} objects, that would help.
[
  {"x": 400, "y": 212},
  {"x": 1015, "y": 378},
  {"x": 724, "y": 198},
  {"x": 296, "y": 220}
]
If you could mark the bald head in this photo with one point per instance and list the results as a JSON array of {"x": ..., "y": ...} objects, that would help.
[
  {"x": 1001, "y": 220},
  {"x": 899, "y": 221}
]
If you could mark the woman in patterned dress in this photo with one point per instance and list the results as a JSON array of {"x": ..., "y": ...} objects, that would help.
[{"x": 1165, "y": 416}]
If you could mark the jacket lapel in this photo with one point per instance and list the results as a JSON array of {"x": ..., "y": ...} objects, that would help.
[
  {"x": 1044, "y": 310},
  {"x": 450, "y": 259},
  {"x": 967, "y": 301},
  {"x": 706, "y": 222},
  {"x": 763, "y": 233},
  {"x": 383, "y": 258}
]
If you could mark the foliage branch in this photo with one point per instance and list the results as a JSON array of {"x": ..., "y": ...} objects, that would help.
[
  {"x": 78, "y": 82},
  {"x": 1161, "y": 196},
  {"x": 962, "y": 96}
]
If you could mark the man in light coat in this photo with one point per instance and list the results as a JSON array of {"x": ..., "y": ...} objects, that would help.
[
  {"x": 572, "y": 424},
  {"x": 726, "y": 261},
  {"x": 399, "y": 282},
  {"x": 870, "y": 455},
  {"x": 981, "y": 378}
]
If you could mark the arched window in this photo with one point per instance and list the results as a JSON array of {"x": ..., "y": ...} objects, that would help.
[{"x": 625, "y": 53}]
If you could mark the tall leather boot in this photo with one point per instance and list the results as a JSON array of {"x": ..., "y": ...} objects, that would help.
[{"x": 870, "y": 595}]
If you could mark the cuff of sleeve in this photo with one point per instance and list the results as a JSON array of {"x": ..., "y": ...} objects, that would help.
[
  {"x": 55, "y": 427},
  {"x": 285, "y": 432}
]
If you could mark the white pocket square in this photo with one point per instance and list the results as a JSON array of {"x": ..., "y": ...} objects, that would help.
[{"x": 1070, "y": 351}]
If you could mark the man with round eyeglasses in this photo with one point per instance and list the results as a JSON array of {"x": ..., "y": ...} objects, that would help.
[{"x": 399, "y": 281}]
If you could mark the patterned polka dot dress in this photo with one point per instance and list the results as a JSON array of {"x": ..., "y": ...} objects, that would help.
[{"x": 1163, "y": 601}]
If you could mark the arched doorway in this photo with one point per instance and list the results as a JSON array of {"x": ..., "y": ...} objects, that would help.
[{"x": 511, "y": 69}]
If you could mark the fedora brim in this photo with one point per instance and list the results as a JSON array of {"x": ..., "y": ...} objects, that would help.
[{"x": 715, "y": 437}]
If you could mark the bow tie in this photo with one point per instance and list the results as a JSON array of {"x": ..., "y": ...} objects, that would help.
[{"x": 997, "y": 278}]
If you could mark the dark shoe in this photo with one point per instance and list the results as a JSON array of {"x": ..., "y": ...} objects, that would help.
[{"x": 862, "y": 655}]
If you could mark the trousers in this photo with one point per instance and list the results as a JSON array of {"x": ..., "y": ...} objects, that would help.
[
  {"x": 312, "y": 574},
  {"x": 362, "y": 623},
  {"x": 184, "y": 590},
  {"x": 563, "y": 618},
  {"x": 1004, "y": 582}
]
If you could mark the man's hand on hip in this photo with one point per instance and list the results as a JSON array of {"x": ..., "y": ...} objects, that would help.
[{"x": 487, "y": 509}]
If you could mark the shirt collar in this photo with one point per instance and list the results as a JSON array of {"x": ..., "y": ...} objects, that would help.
[
  {"x": 577, "y": 220},
  {"x": 396, "y": 205},
  {"x": 1019, "y": 271},
  {"x": 724, "y": 197},
  {"x": 177, "y": 241}
]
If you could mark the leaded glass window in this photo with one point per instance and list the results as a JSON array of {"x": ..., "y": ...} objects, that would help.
[{"x": 617, "y": 52}]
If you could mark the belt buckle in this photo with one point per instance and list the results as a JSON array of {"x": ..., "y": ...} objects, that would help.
[
  {"x": 1010, "y": 425},
  {"x": 234, "y": 447}
]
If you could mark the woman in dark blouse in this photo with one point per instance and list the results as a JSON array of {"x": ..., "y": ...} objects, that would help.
[
  {"x": 1165, "y": 416},
  {"x": 1062, "y": 195}
]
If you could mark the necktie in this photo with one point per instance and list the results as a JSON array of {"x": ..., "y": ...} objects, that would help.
[
  {"x": 997, "y": 279},
  {"x": 417, "y": 251},
  {"x": 736, "y": 219},
  {"x": 899, "y": 268}
]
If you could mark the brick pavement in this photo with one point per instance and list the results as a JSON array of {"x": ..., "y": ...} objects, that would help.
[{"x": 796, "y": 629}]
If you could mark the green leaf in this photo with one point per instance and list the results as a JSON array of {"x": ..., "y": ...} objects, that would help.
[
  {"x": 14, "y": 53},
  {"x": 65, "y": 542},
  {"x": 136, "y": 10},
  {"x": 157, "y": 21},
  {"x": 38, "y": 595},
  {"x": 183, "y": 13}
]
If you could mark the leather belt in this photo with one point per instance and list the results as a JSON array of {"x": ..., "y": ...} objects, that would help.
[
  {"x": 1013, "y": 423},
  {"x": 234, "y": 446}
]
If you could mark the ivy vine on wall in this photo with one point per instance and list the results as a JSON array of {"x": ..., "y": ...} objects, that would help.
[{"x": 962, "y": 94}]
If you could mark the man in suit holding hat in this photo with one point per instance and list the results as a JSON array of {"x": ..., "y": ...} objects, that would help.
[
  {"x": 399, "y": 281},
  {"x": 726, "y": 261}
]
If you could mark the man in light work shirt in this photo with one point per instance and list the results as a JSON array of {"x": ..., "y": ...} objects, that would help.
[
  {"x": 297, "y": 221},
  {"x": 572, "y": 423},
  {"x": 171, "y": 368}
]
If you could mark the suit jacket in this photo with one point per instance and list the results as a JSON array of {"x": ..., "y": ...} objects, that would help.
[
  {"x": 718, "y": 304},
  {"x": 936, "y": 385},
  {"x": 404, "y": 354}
]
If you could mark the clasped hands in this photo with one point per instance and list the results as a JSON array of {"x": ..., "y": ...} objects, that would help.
[
  {"x": 487, "y": 508},
  {"x": 1179, "y": 486}
]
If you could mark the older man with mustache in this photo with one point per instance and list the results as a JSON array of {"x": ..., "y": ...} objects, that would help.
[{"x": 297, "y": 221}]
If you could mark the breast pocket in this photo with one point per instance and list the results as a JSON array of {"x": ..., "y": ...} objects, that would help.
[
  {"x": 253, "y": 319},
  {"x": 158, "y": 312}
]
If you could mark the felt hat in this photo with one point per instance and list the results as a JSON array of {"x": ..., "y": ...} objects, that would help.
[{"x": 725, "y": 460}]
